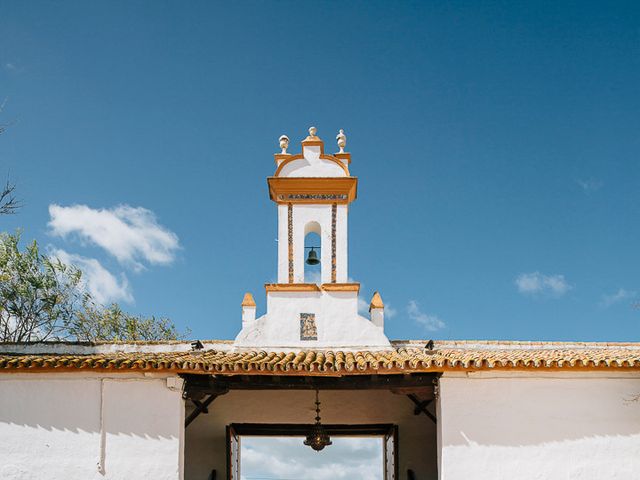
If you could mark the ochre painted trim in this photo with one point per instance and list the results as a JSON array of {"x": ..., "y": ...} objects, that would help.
[
  {"x": 312, "y": 287},
  {"x": 300, "y": 156},
  {"x": 339, "y": 190},
  {"x": 376, "y": 301},
  {"x": 278, "y": 157},
  {"x": 313, "y": 142},
  {"x": 343, "y": 156},
  {"x": 291, "y": 287},
  {"x": 341, "y": 287},
  {"x": 248, "y": 300}
]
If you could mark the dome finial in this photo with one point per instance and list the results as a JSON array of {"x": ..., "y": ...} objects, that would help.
[
  {"x": 342, "y": 140},
  {"x": 313, "y": 131},
  {"x": 284, "y": 144}
]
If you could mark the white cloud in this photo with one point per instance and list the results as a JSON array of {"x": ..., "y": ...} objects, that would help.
[
  {"x": 363, "y": 307},
  {"x": 97, "y": 280},
  {"x": 131, "y": 234},
  {"x": 617, "y": 297},
  {"x": 589, "y": 185},
  {"x": 430, "y": 323},
  {"x": 278, "y": 457},
  {"x": 538, "y": 283}
]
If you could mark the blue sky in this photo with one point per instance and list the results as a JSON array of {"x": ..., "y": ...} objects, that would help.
[{"x": 496, "y": 145}]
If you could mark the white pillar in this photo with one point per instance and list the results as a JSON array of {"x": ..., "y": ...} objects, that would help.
[
  {"x": 248, "y": 309},
  {"x": 376, "y": 309}
]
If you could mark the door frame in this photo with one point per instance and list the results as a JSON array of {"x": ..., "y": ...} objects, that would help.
[{"x": 384, "y": 430}]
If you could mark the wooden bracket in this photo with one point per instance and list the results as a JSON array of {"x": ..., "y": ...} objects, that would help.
[
  {"x": 421, "y": 407},
  {"x": 201, "y": 407}
]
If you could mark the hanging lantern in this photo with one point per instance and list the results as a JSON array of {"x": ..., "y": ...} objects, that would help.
[{"x": 317, "y": 438}]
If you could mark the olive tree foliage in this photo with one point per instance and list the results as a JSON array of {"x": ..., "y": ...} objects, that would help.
[
  {"x": 38, "y": 295},
  {"x": 95, "y": 322},
  {"x": 41, "y": 298}
]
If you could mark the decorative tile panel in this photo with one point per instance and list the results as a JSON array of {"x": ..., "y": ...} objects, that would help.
[{"x": 308, "y": 329}]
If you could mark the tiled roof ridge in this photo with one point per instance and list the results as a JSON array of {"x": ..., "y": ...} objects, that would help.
[
  {"x": 113, "y": 342},
  {"x": 394, "y": 342},
  {"x": 401, "y": 359},
  {"x": 516, "y": 344}
]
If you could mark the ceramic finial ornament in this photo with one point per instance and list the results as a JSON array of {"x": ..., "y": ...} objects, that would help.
[
  {"x": 284, "y": 143},
  {"x": 342, "y": 140},
  {"x": 313, "y": 131}
]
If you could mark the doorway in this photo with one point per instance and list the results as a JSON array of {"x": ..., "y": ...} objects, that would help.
[{"x": 277, "y": 452}]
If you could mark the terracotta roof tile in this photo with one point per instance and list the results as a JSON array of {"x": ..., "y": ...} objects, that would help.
[{"x": 402, "y": 359}]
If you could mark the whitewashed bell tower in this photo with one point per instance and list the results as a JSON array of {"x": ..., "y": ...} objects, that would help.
[{"x": 312, "y": 191}]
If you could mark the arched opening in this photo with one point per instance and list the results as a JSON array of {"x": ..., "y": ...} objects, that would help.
[{"x": 312, "y": 273}]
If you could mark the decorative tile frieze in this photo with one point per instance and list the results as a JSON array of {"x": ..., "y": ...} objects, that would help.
[
  {"x": 308, "y": 329},
  {"x": 290, "y": 239},
  {"x": 334, "y": 212},
  {"x": 312, "y": 196}
]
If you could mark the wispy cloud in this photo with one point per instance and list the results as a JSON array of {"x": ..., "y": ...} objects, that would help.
[
  {"x": 617, "y": 297},
  {"x": 589, "y": 185},
  {"x": 429, "y": 322},
  {"x": 281, "y": 457},
  {"x": 131, "y": 234},
  {"x": 97, "y": 280},
  {"x": 363, "y": 307},
  {"x": 389, "y": 311},
  {"x": 538, "y": 283}
]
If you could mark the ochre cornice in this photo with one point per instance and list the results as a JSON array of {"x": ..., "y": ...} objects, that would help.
[
  {"x": 341, "y": 287},
  {"x": 291, "y": 287},
  {"x": 312, "y": 287},
  {"x": 341, "y": 190}
]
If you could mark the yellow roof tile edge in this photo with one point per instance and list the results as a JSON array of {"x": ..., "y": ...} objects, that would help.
[{"x": 325, "y": 362}]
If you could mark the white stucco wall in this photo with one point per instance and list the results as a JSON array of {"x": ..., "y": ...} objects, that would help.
[
  {"x": 312, "y": 165},
  {"x": 539, "y": 426},
  {"x": 205, "y": 438},
  {"x": 337, "y": 320},
  {"x": 80, "y": 427}
]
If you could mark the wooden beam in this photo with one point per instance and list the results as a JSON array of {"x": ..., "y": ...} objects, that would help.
[
  {"x": 201, "y": 407},
  {"x": 421, "y": 406},
  {"x": 210, "y": 384},
  {"x": 301, "y": 429}
]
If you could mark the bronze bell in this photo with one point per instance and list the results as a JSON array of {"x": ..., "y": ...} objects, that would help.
[{"x": 312, "y": 258}]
